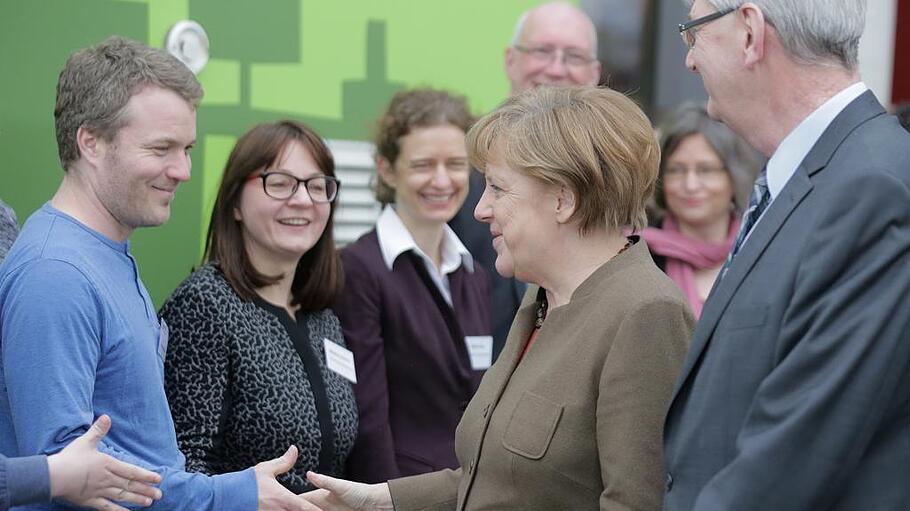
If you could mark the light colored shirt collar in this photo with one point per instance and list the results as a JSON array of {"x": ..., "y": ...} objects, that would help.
[
  {"x": 395, "y": 239},
  {"x": 794, "y": 148}
]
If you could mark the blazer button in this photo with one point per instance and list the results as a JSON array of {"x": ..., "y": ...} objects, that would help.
[{"x": 669, "y": 485}]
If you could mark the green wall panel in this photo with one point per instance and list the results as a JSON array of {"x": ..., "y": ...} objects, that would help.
[{"x": 332, "y": 64}]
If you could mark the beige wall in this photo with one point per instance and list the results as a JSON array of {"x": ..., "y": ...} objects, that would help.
[{"x": 876, "y": 48}]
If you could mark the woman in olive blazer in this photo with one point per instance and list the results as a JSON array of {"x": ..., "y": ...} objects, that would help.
[
  {"x": 570, "y": 416},
  {"x": 577, "y": 421}
]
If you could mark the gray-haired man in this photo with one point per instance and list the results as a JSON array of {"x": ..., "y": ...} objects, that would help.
[{"x": 796, "y": 392}]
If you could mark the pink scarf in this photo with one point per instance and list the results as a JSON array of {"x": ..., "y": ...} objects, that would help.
[{"x": 685, "y": 255}]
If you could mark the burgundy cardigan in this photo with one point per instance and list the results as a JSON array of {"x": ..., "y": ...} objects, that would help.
[{"x": 414, "y": 379}]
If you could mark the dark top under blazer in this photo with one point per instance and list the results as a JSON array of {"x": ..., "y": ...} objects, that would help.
[
  {"x": 238, "y": 389},
  {"x": 796, "y": 392},
  {"x": 413, "y": 378}
]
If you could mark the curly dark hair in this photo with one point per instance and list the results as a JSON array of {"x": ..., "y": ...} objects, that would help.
[{"x": 416, "y": 108}]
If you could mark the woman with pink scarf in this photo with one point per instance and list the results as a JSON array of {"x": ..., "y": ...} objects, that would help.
[{"x": 705, "y": 178}]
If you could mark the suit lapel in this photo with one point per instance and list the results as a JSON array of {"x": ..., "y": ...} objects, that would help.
[
  {"x": 762, "y": 234},
  {"x": 858, "y": 111}
]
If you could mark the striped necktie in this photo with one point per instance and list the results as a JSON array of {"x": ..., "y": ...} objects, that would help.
[{"x": 757, "y": 204}]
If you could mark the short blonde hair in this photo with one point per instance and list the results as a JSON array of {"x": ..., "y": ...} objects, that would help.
[{"x": 594, "y": 141}]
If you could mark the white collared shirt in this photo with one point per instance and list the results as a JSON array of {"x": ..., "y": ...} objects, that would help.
[
  {"x": 796, "y": 145},
  {"x": 793, "y": 149},
  {"x": 395, "y": 239}
]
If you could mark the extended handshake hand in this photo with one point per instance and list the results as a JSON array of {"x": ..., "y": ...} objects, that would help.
[
  {"x": 272, "y": 495},
  {"x": 340, "y": 495},
  {"x": 332, "y": 495},
  {"x": 83, "y": 476}
]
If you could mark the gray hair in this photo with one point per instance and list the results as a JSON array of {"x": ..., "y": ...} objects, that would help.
[
  {"x": 523, "y": 18},
  {"x": 96, "y": 84},
  {"x": 815, "y": 32},
  {"x": 741, "y": 161}
]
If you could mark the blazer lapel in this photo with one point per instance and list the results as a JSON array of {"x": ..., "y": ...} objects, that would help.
[
  {"x": 521, "y": 329},
  {"x": 858, "y": 111}
]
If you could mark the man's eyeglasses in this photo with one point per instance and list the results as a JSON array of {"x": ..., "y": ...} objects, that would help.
[
  {"x": 686, "y": 29},
  {"x": 546, "y": 54},
  {"x": 282, "y": 186}
]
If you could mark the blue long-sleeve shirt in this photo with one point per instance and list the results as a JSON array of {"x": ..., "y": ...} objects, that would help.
[
  {"x": 23, "y": 480},
  {"x": 79, "y": 337}
]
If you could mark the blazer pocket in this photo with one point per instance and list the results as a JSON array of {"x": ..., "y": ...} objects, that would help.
[
  {"x": 736, "y": 318},
  {"x": 532, "y": 425}
]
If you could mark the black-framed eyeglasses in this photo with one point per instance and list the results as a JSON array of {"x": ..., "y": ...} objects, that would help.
[
  {"x": 282, "y": 186},
  {"x": 685, "y": 29},
  {"x": 546, "y": 54}
]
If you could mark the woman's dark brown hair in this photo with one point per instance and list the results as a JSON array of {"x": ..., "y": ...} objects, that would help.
[{"x": 319, "y": 277}]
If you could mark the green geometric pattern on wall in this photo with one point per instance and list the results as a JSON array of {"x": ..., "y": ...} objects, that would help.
[{"x": 332, "y": 64}]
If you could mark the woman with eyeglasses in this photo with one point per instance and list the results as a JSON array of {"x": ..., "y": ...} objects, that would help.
[
  {"x": 702, "y": 189},
  {"x": 415, "y": 308},
  {"x": 246, "y": 371}
]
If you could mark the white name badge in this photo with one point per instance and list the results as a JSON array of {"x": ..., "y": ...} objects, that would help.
[
  {"x": 340, "y": 360},
  {"x": 163, "y": 334},
  {"x": 480, "y": 349}
]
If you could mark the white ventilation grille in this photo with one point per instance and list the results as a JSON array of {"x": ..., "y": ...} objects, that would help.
[{"x": 357, "y": 208}]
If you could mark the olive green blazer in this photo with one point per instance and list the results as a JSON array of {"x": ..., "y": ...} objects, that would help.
[{"x": 577, "y": 424}]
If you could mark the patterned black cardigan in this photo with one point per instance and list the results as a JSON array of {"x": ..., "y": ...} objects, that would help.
[{"x": 241, "y": 391}]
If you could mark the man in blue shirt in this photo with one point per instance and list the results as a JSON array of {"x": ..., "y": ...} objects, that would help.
[
  {"x": 79, "y": 336},
  {"x": 78, "y": 474}
]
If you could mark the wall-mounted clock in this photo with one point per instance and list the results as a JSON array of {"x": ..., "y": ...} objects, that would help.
[{"x": 188, "y": 41}]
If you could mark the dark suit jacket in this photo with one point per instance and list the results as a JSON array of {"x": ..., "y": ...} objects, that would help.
[
  {"x": 505, "y": 293},
  {"x": 796, "y": 391},
  {"x": 414, "y": 378},
  {"x": 576, "y": 425}
]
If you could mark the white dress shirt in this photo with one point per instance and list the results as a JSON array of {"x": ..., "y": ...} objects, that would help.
[
  {"x": 796, "y": 145},
  {"x": 395, "y": 239},
  {"x": 794, "y": 148}
]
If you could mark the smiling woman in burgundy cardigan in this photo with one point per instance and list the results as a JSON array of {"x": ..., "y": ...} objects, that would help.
[{"x": 415, "y": 307}]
